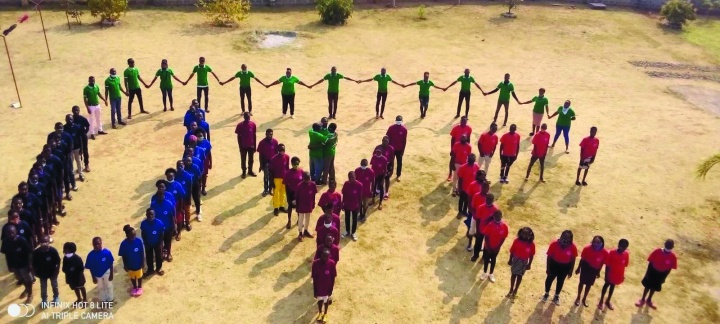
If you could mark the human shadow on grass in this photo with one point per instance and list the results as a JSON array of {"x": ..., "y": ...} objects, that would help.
[
  {"x": 541, "y": 314},
  {"x": 434, "y": 205},
  {"x": 363, "y": 127},
  {"x": 237, "y": 210},
  {"x": 242, "y": 233},
  {"x": 444, "y": 235},
  {"x": 521, "y": 197},
  {"x": 145, "y": 188},
  {"x": 297, "y": 307},
  {"x": 230, "y": 121},
  {"x": 274, "y": 238},
  {"x": 500, "y": 314},
  {"x": 642, "y": 316},
  {"x": 468, "y": 307},
  {"x": 277, "y": 256},
  {"x": 456, "y": 272},
  {"x": 141, "y": 118},
  {"x": 287, "y": 277},
  {"x": 497, "y": 189},
  {"x": 571, "y": 199},
  {"x": 271, "y": 123},
  {"x": 216, "y": 190},
  {"x": 172, "y": 122}
]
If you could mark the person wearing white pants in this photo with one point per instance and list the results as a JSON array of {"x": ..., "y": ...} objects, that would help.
[
  {"x": 91, "y": 97},
  {"x": 100, "y": 263}
]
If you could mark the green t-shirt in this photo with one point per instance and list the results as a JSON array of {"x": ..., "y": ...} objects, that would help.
[
  {"x": 132, "y": 75},
  {"x": 112, "y": 84},
  {"x": 288, "y": 84},
  {"x": 333, "y": 82},
  {"x": 165, "y": 78},
  {"x": 324, "y": 132},
  {"x": 540, "y": 103},
  {"x": 91, "y": 94},
  {"x": 425, "y": 87},
  {"x": 564, "y": 119},
  {"x": 329, "y": 149},
  {"x": 505, "y": 90},
  {"x": 465, "y": 83},
  {"x": 382, "y": 81},
  {"x": 316, "y": 141},
  {"x": 244, "y": 78},
  {"x": 202, "y": 74}
]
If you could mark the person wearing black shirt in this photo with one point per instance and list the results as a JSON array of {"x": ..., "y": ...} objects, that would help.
[
  {"x": 17, "y": 254},
  {"x": 74, "y": 271},
  {"x": 22, "y": 227},
  {"x": 64, "y": 152},
  {"x": 75, "y": 130},
  {"x": 34, "y": 222},
  {"x": 30, "y": 201},
  {"x": 85, "y": 127},
  {"x": 46, "y": 265}
]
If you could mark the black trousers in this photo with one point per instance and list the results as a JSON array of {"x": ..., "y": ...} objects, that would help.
[
  {"x": 245, "y": 92},
  {"x": 288, "y": 101},
  {"x": 399, "y": 158},
  {"x": 332, "y": 104},
  {"x": 559, "y": 271},
  {"x": 489, "y": 259},
  {"x": 290, "y": 194},
  {"x": 478, "y": 244},
  {"x": 381, "y": 97},
  {"x": 167, "y": 94},
  {"x": 379, "y": 186},
  {"x": 135, "y": 92},
  {"x": 506, "y": 162},
  {"x": 84, "y": 149},
  {"x": 69, "y": 174},
  {"x": 153, "y": 256},
  {"x": 463, "y": 202},
  {"x": 464, "y": 96},
  {"x": 200, "y": 91},
  {"x": 196, "y": 195},
  {"x": 247, "y": 155},
  {"x": 351, "y": 218}
]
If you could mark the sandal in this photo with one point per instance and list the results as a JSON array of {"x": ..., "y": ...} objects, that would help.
[
  {"x": 160, "y": 272},
  {"x": 169, "y": 258}
]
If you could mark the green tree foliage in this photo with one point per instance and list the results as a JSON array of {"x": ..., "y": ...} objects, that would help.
[
  {"x": 225, "y": 13},
  {"x": 678, "y": 12},
  {"x": 108, "y": 9},
  {"x": 334, "y": 12},
  {"x": 704, "y": 168}
]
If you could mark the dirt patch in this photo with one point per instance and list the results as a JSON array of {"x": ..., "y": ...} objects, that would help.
[
  {"x": 704, "y": 98},
  {"x": 276, "y": 39},
  {"x": 683, "y": 75},
  {"x": 675, "y": 66}
]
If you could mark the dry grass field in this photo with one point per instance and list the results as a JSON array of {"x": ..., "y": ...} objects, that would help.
[{"x": 410, "y": 266}]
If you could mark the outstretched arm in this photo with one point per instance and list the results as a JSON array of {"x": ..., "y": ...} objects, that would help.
[
  {"x": 515, "y": 96},
  {"x": 272, "y": 84},
  {"x": 491, "y": 92},
  {"x": 303, "y": 83},
  {"x": 451, "y": 84},
  {"x": 478, "y": 86},
  {"x": 178, "y": 80},
  {"x": 316, "y": 83},
  {"x": 151, "y": 83},
  {"x": 258, "y": 80},
  {"x": 228, "y": 80},
  {"x": 215, "y": 75},
  {"x": 393, "y": 81},
  {"x": 525, "y": 102},
  {"x": 346, "y": 78},
  {"x": 367, "y": 80},
  {"x": 190, "y": 77}
]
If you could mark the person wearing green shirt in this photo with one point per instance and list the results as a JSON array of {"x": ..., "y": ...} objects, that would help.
[
  {"x": 540, "y": 107},
  {"x": 132, "y": 84},
  {"x": 113, "y": 89},
  {"x": 565, "y": 117},
  {"x": 91, "y": 93},
  {"x": 465, "y": 82},
  {"x": 329, "y": 155},
  {"x": 424, "y": 96},
  {"x": 382, "y": 79},
  {"x": 506, "y": 89},
  {"x": 288, "y": 91},
  {"x": 166, "y": 75},
  {"x": 202, "y": 70},
  {"x": 244, "y": 75},
  {"x": 333, "y": 91},
  {"x": 316, "y": 147}
]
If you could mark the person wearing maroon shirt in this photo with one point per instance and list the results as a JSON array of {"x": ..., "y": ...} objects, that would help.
[
  {"x": 588, "y": 151},
  {"x": 466, "y": 174},
  {"x": 323, "y": 275},
  {"x": 660, "y": 263},
  {"x": 522, "y": 253},
  {"x": 561, "y": 257},
  {"x": 328, "y": 215},
  {"x": 388, "y": 152},
  {"x": 366, "y": 176},
  {"x": 478, "y": 199},
  {"x": 305, "y": 193},
  {"x": 352, "y": 191},
  {"x": 379, "y": 167},
  {"x": 330, "y": 245},
  {"x": 540, "y": 147},
  {"x": 247, "y": 142},
  {"x": 456, "y": 133},
  {"x": 486, "y": 146},
  {"x": 279, "y": 164},
  {"x": 398, "y": 139},
  {"x": 459, "y": 155},
  {"x": 481, "y": 218},
  {"x": 592, "y": 259},
  {"x": 331, "y": 196},
  {"x": 496, "y": 231},
  {"x": 509, "y": 149},
  {"x": 328, "y": 226},
  {"x": 291, "y": 179},
  {"x": 266, "y": 150},
  {"x": 617, "y": 260}
]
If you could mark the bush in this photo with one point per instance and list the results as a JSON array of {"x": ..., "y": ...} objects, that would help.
[
  {"x": 108, "y": 9},
  {"x": 334, "y": 12},
  {"x": 422, "y": 13},
  {"x": 678, "y": 12},
  {"x": 225, "y": 12}
]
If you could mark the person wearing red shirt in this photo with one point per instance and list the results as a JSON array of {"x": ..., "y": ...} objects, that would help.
[
  {"x": 267, "y": 148},
  {"x": 379, "y": 167},
  {"x": 305, "y": 193},
  {"x": 323, "y": 275},
  {"x": 455, "y": 134},
  {"x": 477, "y": 200},
  {"x": 389, "y": 154},
  {"x": 482, "y": 216},
  {"x": 247, "y": 142},
  {"x": 561, "y": 257},
  {"x": 328, "y": 226},
  {"x": 330, "y": 245},
  {"x": 522, "y": 253},
  {"x": 459, "y": 155},
  {"x": 331, "y": 196},
  {"x": 278, "y": 166},
  {"x": 366, "y": 176},
  {"x": 592, "y": 259},
  {"x": 466, "y": 174},
  {"x": 660, "y": 263},
  {"x": 617, "y": 260},
  {"x": 352, "y": 199},
  {"x": 291, "y": 179},
  {"x": 398, "y": 139},
  {"x": 540, "y": 147},
  {"x": 509, "y": 149},
  {"x": 486, "y": 147},
  {"x": 329, "y": 216},
  {"x": 588, "y": 150},
  {"x": 496, "y": 231}
]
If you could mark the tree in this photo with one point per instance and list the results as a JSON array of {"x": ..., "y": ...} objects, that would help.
[
  {"x": 109, "y": 10},
  {"x": 704, "y": 168},
  {"x": 225, "y": 13},
  {"x": 334, "y": 12},
  {"x": 678, "y": 12}
]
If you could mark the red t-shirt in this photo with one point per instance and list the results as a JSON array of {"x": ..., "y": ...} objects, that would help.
[
  {"x": 266, "y": 148},
  {"x": 482, "y": 215},
  {"x": 246, "y": 132},
  {"x": 495, "y": 234},
  {"x": 522, "y": 250},
  {"x": 335, "y": 198},
  {"x": 477, "y": 200},
  {"x": 461, "y": 151},
  {"x": 323, "y": 277},
  {"x": 473, "y": 188},
  {"x": 352, "y": 193},
  {"x": 616, "y": 264},
  {"x": 510, "y": 142},
  {"x": 488, "y": 143},
  {"x": 589, "y": 147},
  {"x": 594, "y": 258},
  {"x": 305, "y": 196},
  {"x": 561, "y": 255},
  {"x": 366, "y": 177},
  {"x": 292, "y": 178},
  {"x": 459, "y": 130},
  {"x": 388, "y": 152},
  {"x": 334, "y": 252},
  {"x": 663, "y": 261},
  {"x": 321, "y": 222},
  {"x": 322, "y": 232},
  {"x": 467, "y": 173},
  {"x": 540, "y": 143},
  {"x": 279, "y": 164},
  {"x": 398, "y": 136},
  {"x": 379, "y": 165}
]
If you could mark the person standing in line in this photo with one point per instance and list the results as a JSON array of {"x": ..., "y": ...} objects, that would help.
[
  {"x": 203, "y": 143},
  {"x": 74, "y": 270},
  {"x": 352, "y": 191},
  {"x": 592, "y": 259},
  {"x": 18, "y": 252},
  {"x": 91, "y": 93},
  {"x": 455, "y": 134},
  {"x": 305, "y": 193},
  {"x": 279, "y": 165},
  {"x": 476, "y": 202},
  {"x": 465, "y": 82},
  {"x": 185, "y": 178},
  {"x": 424, "y": 95},
  {"x": 540, "y": 142},
  {"x": 331, "y": 196},
  {"x": 132, "y": 84},
  {"x": 459, "y": 155},
  {"x": 267, "y": 148},
  {"x": 100, "y": 263},
  {"x": 327, "y": 225},
  {"x": 506, "y": 89},
  {"x": 382, "y": 79},
  {"x": 46, "y": 266},
  {"x": 329, "y": 244},
  {"x": 561, "y": 256},
  {"x": 323, "y": 275},
  {"x": 166, "y": 75},
  {"x": 202, "y": 70},
  {"x": 333, "y": 78},
  {"x": 329, "y": 149},
  {"x": 482, "y": 216},
  {"x": 366, "y": 176},
  {"x": 617, "y": 260},
  {"x": 466, "y": 175},
  {"x": 588, "y": 150},
  {"x": 496, "y": 231},
  {"x": 247, "y": 142},
  {"x": 660, "y": 263},
  {"x": 486, "y": 147},
  {"x": 288, "y": 91},
  {"x": 84, "y": 124},
  {"x": 164, "y": 210},
  {"x": 398, "y": 134},
  {"x": 389, "y": 154},
  {"x": 191, "y": 114},
  {"x": 245, "y": 91},
  {"x": 194, "y": 166},
  {"x": 539, "y": 109},
  {"x": 152, "y": 232},
  {"x": 291, "y": 180},
  {"x": 76, "y": 131},
  {"x": 565, "y": 117},
  {"x": 379, "y": 165},
  {"x": 522, "y": 253},
  {"x": 316, "y": 147},
  {"x": 509, "y": 149},
  {"x": 132, "y": 252},
  {"x": 113, "y": 88}
]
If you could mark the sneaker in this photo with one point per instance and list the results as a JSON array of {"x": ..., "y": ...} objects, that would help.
[
  {"x": 133, "y": 292},
  {"x": 102, "y": 133},
  {"x": 139, "y": 292},
  {"x": 292, "y": 116},
  {"x": 44, "y": 304},
  {"x": 492, "y": 278},
  {"x": 469, "y": 248},
  {"x": 283, "y": 116},
  {"x": 56, "y": 301},
  {"x": 507, "y": 181},
  {"x": 199, "y": 217},
  {"x": 344, "y": 235},
  {"x": 75, "y": 188},
  {"x": 501, "y": 180},
  {"x": 556, "y": 300},
  {"x": 122, "y": 123},
  {"x": 640, "y": 303},
  {"x": 483, "y": 276},
  {"x": 531, "y": 134},
  {"x": 283, "y": 210},
  {"x": 651, "y": 305},
  {"x": 354, "y": 237},
  {"x": 474, "y": 258},
  {"x": 545, "y": 297}
]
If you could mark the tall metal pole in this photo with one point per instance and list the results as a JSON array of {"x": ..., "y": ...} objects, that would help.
[
  {"x": 44, "y": 34},
  {"x": 11, "y": 70}
]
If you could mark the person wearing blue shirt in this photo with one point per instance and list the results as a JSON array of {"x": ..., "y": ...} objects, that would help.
[
  {"x": 100, "y": 263},
  {"x": 165, "y": 212},
  {"x": 204, "y": 143},
  {"x": 185, "y": 178},
  {"x": 190, "y": 114},
  {"x": 163, "y": 193},
  {"x": 153, "y": 230},
  {"x": 132, "y": 251},
  {"x": 192, "y": 167},
  {"x": 178, "y": 191},
  {"x": 202, "y": 124}
]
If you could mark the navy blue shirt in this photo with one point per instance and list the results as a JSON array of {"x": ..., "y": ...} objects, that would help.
[
  {"x": 65, "y": 137},
  {"x": 164, "y": 211},
  {"x": 17, "y": 252},
  {"x": 152, "y": 231},
  {"x": 132, "y": 253},
  {"x": 31, "y": 202},
  {"x": 75, "y": 130},
  {"x": 22, "y": 229},
  {"x": 99, "y": 262}
]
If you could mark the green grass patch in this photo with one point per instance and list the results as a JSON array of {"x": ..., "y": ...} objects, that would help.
[{"x": 705, "y": 33}]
